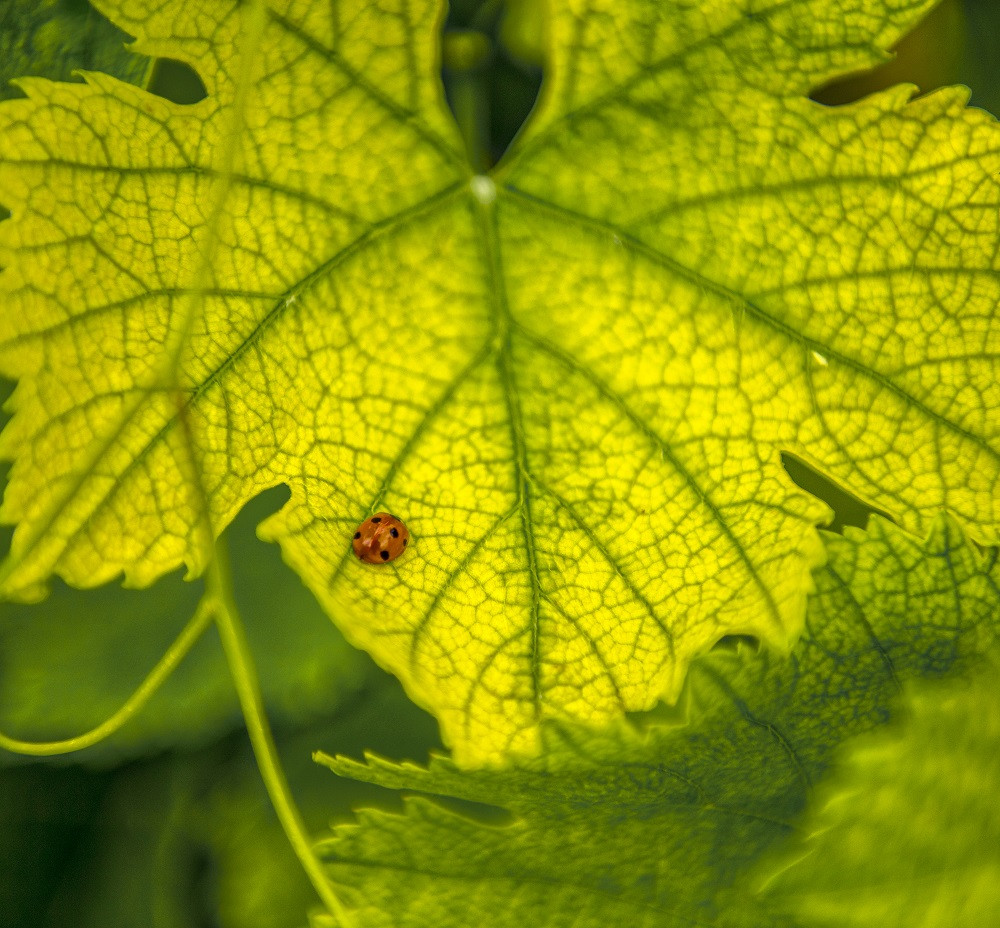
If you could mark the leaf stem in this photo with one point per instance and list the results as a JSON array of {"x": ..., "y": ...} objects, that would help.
[
  {"x": 142, "y": 694},
  {"x": 470, "y": 106},
  {"x": 241, "y": 665}
]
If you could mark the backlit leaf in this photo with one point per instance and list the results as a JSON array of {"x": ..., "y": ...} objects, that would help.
[
  {"x": 666, "y": 826},
  {"x": 572, "y": 379}
]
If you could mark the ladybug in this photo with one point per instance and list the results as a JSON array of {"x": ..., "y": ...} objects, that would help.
[{"x": 380, "y": 538}]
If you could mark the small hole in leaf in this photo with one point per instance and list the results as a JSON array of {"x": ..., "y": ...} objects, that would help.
[
  {"x": 176, "y": 81},
  {"x": 848, "y": 509},
  {"x": 930, "y": 56}
]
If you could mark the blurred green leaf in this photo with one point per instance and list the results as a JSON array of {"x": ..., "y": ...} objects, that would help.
[
  {"x": 185, "y": 840},
  {"x": 626, "y": 827},
  {"x": 981, "y": 65},
  {"x": 43, "y": 814},
  {"x": 235, "y": 821},
  {"x": 907, "y": 834}
]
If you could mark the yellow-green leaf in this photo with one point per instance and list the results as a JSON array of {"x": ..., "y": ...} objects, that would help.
[
  {"x": 572, "y": 379},
  {"x": 671, "y": 825}
]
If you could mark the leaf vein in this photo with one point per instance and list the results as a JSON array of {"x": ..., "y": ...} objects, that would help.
[
  {"x": 744, "y": 304},
  {"x": 276, "y": 312},
  {"x": 612, "y": 561},
  {"x": 606, "y": 391},
  {"x": 404, "y": 115}
]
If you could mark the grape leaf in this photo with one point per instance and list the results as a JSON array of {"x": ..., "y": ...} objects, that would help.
[
  {"x": 622, "y": 827},
  {"x": 572, "y": 379},
  {"x": 908, "y": 832}
]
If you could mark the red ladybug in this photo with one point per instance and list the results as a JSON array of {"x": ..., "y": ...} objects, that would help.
[{"x": 380, "y": 538}]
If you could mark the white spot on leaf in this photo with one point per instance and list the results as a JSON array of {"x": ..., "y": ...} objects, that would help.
[{"x": 483, "y": 188}]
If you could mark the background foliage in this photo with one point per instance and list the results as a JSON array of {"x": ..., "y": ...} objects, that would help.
[{"x": 173, "y": 804}]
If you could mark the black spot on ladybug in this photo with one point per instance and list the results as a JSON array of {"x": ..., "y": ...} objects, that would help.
[
  {"x": 405, "y": 540},
  {"x": 394, "y": 532},
  {"x": 377, "y": 519},
  {"x": 357, "y": 534},
  {"x": 384, "y": 555}
]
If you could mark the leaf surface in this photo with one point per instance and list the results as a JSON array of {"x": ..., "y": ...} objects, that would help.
[
  {"x": 572, "y": 379},
  {"x": 662, "y": 827}
]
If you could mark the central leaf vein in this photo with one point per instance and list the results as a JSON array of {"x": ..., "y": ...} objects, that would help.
[{"x": 512, "y": 401}]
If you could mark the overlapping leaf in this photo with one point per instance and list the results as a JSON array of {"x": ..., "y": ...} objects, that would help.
[
  {"x": 908, "y": 833},
  {"x": 54, "y": 37},
  {"x": 572, "y": 380},
  {"x": 666, "y": 827}
]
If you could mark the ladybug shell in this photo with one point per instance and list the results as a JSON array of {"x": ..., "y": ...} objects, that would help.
[{"x": 380, "y": 538}]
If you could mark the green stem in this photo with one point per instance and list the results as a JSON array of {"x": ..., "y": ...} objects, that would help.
[
  {"x": 157, "y": 676},
  {"x": 470, "y": 106},
  {"x": 244, "y": 674}
]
